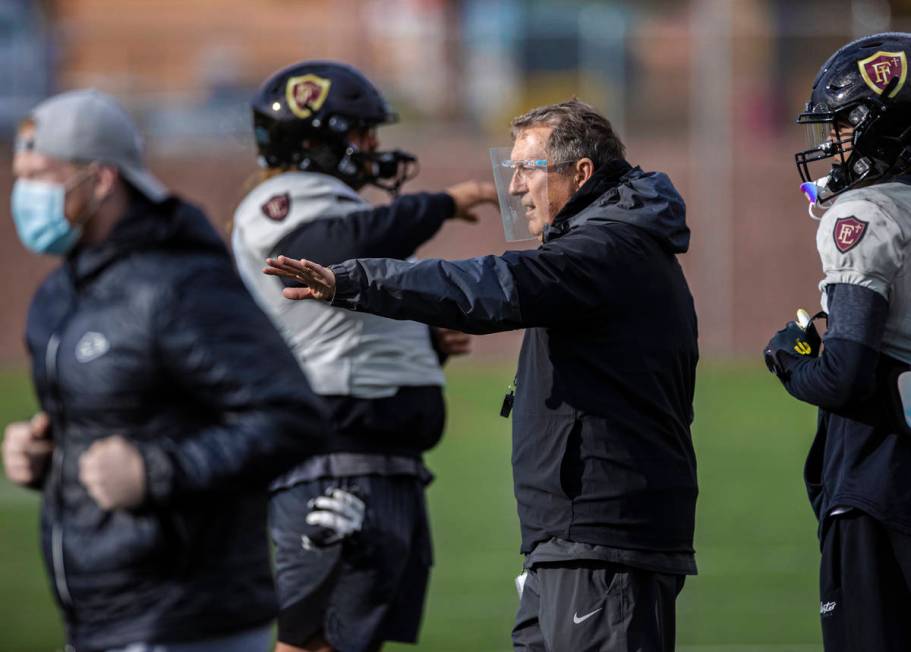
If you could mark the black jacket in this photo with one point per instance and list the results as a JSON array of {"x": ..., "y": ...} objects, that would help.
[
  {"x": 151, "y": 335},
  {"x": 602, "y": 452}
]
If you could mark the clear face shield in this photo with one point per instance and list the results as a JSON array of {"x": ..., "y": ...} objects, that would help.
[{"x": 522, "y": 193}]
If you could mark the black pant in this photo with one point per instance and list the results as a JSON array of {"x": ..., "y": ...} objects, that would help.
[
  {"x": 361, "y": 592},
  {"x": 864, "y": 580},
  {"x": 598, "y": 607}
]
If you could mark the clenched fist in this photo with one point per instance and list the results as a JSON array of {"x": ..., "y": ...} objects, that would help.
[
  {"x": 27, "y": 450},
  {"x": 113, "y": 472}
]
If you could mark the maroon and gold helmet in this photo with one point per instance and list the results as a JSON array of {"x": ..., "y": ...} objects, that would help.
[
  {"x": 304, "y": 113},
  {"x": 863, "y": 86}
]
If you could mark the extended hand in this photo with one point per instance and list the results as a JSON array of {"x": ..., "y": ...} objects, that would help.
[
  {"x": 468, "y": 195},
  {"x": 27, "y": 448},
  {"x": 319, "y": 281},
  {"x": 113, "y": 472}
]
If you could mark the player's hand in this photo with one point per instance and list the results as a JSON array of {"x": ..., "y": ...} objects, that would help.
[
  {"x": 319, "y": 281},
  {"x": 27, "y": 450},
  {"x": 798, "y": 340},
  {"x": 113, "y": 472},
  {"x": 338, "y": 514},
  {"x": 450, "y": 342},
  {"x": 469, "y": 195}
]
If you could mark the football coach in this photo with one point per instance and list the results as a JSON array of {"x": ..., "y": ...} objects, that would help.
[{"x": 603, "y": 462}]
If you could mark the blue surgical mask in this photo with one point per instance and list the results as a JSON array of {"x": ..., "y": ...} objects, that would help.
[{"x": 37, "y": 208}]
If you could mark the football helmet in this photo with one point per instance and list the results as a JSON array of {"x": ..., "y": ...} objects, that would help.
[
  {"x": 303, "y": 115},
  {"x": 859, "y": 114}
]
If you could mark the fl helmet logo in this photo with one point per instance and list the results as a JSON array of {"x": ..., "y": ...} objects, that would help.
[
  {"x": 306, "y": 94},
  {"x": 880, "y": 68}
]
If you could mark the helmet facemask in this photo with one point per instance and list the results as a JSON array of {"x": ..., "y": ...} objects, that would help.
[
  {"x": 838, "y": 136},
  {"x": 305, "y": 114},
  {"x": 868, "y": 138},
  {"x": 328, "y": 150}
]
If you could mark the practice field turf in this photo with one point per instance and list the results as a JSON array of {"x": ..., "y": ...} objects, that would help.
[{"x": 756, "y": 545}]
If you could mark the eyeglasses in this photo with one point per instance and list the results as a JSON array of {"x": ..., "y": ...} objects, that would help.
[{"x": 524, "y": 167}]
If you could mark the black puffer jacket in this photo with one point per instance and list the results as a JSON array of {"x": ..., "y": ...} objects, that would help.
[
  {"x": 602, "y": 452},
  {"x": 152, "y": 335}
]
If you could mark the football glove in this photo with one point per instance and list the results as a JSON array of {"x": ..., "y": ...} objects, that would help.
[{"x": 798, "y": 339}]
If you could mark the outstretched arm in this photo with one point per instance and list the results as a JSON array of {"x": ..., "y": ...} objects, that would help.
[
  {"x": 395, "y": 230},
  {"x": 543, "y": 287}
]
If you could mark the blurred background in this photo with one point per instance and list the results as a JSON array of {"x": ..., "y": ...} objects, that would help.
[{"x": 705, "y": 90}]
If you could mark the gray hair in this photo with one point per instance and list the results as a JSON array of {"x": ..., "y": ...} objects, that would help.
[{"x": 579, "y": 131}]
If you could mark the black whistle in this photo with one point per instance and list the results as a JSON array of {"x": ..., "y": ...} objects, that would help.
[{"x": 508, "y": 400}]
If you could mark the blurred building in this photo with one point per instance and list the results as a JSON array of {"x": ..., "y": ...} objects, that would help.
[{"x": 706, "y": 90}]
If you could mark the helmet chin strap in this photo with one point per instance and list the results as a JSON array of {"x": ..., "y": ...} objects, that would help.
[{"x": 813, "y": 215}]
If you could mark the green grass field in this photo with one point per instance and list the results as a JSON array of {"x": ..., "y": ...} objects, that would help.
[{"x": 756, "y": 543}]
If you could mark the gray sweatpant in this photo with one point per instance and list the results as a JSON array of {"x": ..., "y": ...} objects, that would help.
[{"x": 598, "y": 607}]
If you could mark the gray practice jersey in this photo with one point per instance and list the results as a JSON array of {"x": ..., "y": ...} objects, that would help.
[
  {"x": 341, "y": 352},
  {"x": 863, "y": 239}
]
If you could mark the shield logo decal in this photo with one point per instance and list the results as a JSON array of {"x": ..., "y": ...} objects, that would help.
[
  {"x": 848, "y": 232},
  {"x": 306, "y": 94},
  {"x": 879, "y": 69},
  {"x": 278, "y": 207}
]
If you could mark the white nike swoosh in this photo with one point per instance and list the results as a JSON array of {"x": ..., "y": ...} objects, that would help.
[{"x": 577, "y": 620}]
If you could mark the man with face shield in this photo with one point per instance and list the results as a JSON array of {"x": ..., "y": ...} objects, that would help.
[
  {"x": 603, "y": 463},
  {"x": 168, "y": 399},
  {"x": 350, "y": 527},
  {"x": 859, "y": 373}
]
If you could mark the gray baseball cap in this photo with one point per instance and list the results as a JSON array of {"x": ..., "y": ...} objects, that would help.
[{"x": 87, "y": 125}]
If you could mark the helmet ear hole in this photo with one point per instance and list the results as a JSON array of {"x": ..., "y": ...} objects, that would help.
[{"x": 858, "y": 114}]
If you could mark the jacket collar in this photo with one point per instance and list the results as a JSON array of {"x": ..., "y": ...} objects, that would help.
[
  {"x": 145, "y": 226},
  {"x": 605, "y": 178}
]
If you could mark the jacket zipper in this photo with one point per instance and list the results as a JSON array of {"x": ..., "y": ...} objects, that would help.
[{"x": 50, "y": 362}]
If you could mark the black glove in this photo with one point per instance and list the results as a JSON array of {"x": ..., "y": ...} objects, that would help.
[{"x": 793, "y": 341}]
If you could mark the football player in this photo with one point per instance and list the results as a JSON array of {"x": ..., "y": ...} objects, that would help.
[
  {"x": 858, "y": 472},
  {"x": 352, "y": 540}
]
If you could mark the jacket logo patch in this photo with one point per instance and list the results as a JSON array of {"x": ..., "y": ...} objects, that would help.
[
  {"x": 277, "y": 207},
  {"x": 91, "y": 346},
  {"x": 849, "y": 231}
]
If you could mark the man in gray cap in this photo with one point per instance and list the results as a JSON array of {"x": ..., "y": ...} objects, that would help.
[{"x": 168, "y": 399}]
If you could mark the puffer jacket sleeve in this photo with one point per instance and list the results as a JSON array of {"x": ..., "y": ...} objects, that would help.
[{"x": 225, "y": 354}]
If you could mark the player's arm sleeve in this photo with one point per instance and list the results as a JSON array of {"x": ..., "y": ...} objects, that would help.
[
  {"x": 543, "y": 287},
  {"x": 845, "y": 371},
  {"x": 224, "y": 355},
  {"x": 860, "y": 243},
  {"x": 395, "y": 230}
]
